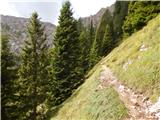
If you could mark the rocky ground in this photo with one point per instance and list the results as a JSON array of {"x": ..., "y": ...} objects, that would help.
[{"x": 138, "y": 105}]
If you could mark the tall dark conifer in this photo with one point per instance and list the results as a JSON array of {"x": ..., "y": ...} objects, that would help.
[
  {"x": 8, "y": 76},
  {"x": 119, "y": 14},
  {"x": 107, "y": 43},
  {"x": 67, "y": 72},
  {"x": 33, "y": 73},
  {"x": 105, "y": 19}
]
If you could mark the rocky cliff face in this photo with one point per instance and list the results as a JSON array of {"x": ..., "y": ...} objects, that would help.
[
  {"x": 96, "y": 17},
  {"x": 16, "y": 28}
]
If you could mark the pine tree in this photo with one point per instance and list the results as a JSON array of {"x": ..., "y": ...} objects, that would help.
[
  {"x": 93, "y": 56},
  {"x": 7, "y": 60},
  {"x": 85, "y": 49},
  {"x": 67, "y": 72},
  {"x": 107, "y": 43},
  {"x": 86, "y": 38},
  {"x": 33, "y": 73},
  {"x": 91, "y": 33},
  {"x": 119, "y": 14},
  {"x": 105, "y": 19},
  {"x": 8, "y": 76}
]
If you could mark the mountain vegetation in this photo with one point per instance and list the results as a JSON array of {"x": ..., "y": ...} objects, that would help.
[
  {"x": 16, "y": 29},
  {"x": 90, "y": 102},
  {"x": 33, "y": 72},
  {"x": 67, "y": 71},
  {"x": 8, "y": 76},
  {"x": 139, "y": 13},
  {"x": 60, "y": 77}
]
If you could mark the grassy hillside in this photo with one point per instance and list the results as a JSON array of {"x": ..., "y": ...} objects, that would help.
[
  {"x": 136, "y": 62},
  {"x": 89, "y": 103}
]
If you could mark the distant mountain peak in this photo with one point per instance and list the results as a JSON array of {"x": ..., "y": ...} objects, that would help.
[
  {"x": 96, "y": 17},
  {"x": 15, "y": 28}
]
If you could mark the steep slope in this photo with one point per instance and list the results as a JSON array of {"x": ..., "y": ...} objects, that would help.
[
  {"x": 138, "y": 105},
  {"x": 15, "y": 27},
  {"x": 135, "y": 63},
  {"x": 90, "y": 102}
]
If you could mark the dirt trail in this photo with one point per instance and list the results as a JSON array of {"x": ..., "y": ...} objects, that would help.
[{"x": 138, "y": 105}]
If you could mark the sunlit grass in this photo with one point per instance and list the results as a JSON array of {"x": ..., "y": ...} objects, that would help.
[
  {"x": 89, "y": 103},
  {"x": 143, "y": 74}
]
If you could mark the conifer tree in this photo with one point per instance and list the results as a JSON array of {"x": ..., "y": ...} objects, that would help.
[
  {"x": 105, "y": 19},
  {"x": 107, "y": 43},
  {"x": 91, "y": 33},
  {"x": 7, "y": 60},
  {"x": 33, "y": 72},
  {"x": 119, "y": 14},
  {"x": 67, "y": 71},
  {"x": 8, "y": 76},
  {"x": 85, "y": 49},
  {"x": 93, "y": 56}
]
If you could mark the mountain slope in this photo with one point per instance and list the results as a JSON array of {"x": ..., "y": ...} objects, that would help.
[
  {"x": 90, "y": 102},
  {"x": 16, "y": 28},
  {"x": 136, "y": 63}
]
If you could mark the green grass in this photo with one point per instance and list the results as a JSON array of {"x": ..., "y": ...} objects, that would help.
[
  {"x": 88, "y": 103},
  {"x": 142, "y": 74}
]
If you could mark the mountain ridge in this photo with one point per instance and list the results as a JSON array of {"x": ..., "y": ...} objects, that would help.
[
  {"x": 16, "y": 29},
  {"x": 96, "y": 17}
]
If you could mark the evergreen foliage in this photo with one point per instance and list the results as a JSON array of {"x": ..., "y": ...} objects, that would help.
[
  {"x": 105, "y": 19},
  {"x": 97, "y": 51},
  {"x": 7, "y": 60},
  {"x": 8, "y": 76},
  {"x": 84, "y": 43},
  {"x": 67, "y": 71},
  {"x": 107, "y": 43},
  {"x": 139, "y": 13},
  {"x": 119, "y": 14},
  {"x": 94, "y": 57},
  {"x": 33, "y": 74},
  {"x": 86, "y": 40}
]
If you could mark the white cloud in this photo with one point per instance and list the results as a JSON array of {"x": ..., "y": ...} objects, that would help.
[{"x": 85, "y": 8}]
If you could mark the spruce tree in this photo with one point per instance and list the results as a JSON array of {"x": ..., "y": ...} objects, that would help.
[
  {"x": 91, "y": 33},
  {"x": 93, "y": 56},
  {"x": 85, "y": 49},
  {"x": 86, "y": 38},
  {"x": 119, "y": 14},
  {"x": 105, "y": 19},
  {"x": 67, "y": 73},
  {"x": 7, "y": 60},
  {"x": 33, "y": 72},
  {"x": 107, "y": 43},
  {"x": 8, "y": 76}
]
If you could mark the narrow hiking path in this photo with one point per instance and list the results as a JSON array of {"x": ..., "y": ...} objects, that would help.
[{"x": 138, "y": 105}]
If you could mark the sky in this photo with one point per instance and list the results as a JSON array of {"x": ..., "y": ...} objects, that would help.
[{"x": 49, "y": 10}]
